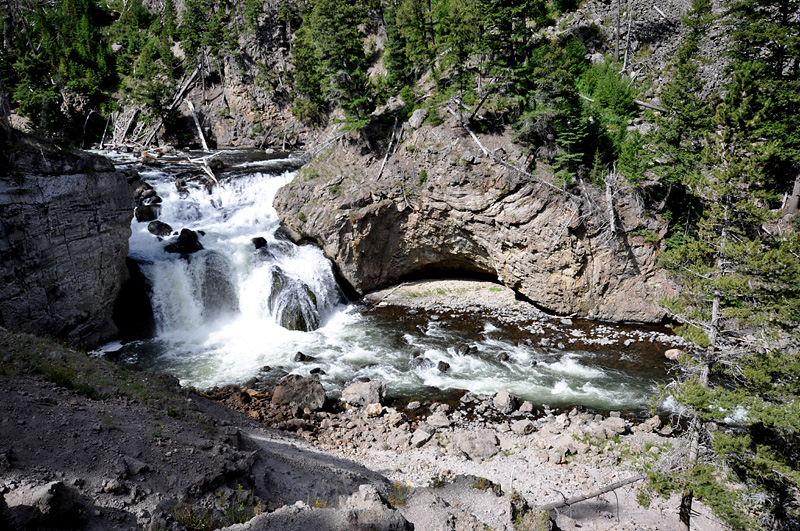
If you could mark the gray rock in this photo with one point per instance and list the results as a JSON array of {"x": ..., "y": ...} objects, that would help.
[
  {"x": 438, "y": 420},
  {"x": 480, "y": 444},
  {"x": 417, "y": 118},
  {"x": 364, "y": 393},
  {"x": 420, "y": 437},
  {"x": 526, "y": 407},
  {"x": 674, "y": 354},
  {"x": 396, "y": 419},
  {"x": 64, "y": 230},
  {"x": 374, "y": 410},
  {"x": 413, "y": 405},
  {"x": 614, "y": 425},
  {"x": 159, "y": 228},
  {"x": 505, "y": 402},
  {"x": 296, "y": 390},
  {"x": 47, "y": 503},
  {"x": 522, "y": 427},
  {"x": 391, "y": 240}
]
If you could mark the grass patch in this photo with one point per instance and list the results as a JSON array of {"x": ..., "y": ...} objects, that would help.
[{"x": 398, "y": 496}]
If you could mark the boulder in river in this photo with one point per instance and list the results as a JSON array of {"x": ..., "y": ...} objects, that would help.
[
  {"x": 292, "y": 302},
  {"x": 159, "y": 228},
  {"x": 145, "y": 213},
  {"x": 188, "y": 242}
]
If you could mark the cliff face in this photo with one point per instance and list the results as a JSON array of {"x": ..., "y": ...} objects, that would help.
[
  {"x": 443, "y": 207},
  {"x": 64, "y": 229}
]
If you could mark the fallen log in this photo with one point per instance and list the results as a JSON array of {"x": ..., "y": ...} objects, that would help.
[{"x": 593, "y": 494}]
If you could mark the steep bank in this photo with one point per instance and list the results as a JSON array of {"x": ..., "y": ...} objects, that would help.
[
  {"x": 442, "y": 206},
  {"x": 64, "y": 229}
]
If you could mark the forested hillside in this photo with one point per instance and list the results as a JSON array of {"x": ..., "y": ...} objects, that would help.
[{"x": 706, "y": 132}]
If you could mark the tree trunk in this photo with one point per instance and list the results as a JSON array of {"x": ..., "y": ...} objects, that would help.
[
  {"x": 616, "y": 46},
  {"x": 686, "y": 511},
  {"x": 793, "y": 203}
]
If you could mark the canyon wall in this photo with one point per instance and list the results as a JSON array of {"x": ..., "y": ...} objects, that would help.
[{"x": 64, "y": 228}]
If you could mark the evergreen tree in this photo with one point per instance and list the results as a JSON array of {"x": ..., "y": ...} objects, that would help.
[
  {"x": 459, "y": 26},
  {"x": 412, "y": 18},
  {"x": 332, "y": 54},
  {"x": 394, "y": 59},
  {"x": 766, "y": 36},
  {"x": 678, "y": 139},
  {"x": 740, "y": 300}
]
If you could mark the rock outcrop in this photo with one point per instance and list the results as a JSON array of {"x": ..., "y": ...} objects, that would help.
[
  {"x": 64, "y": 229},
  {"x": 441, "y": 206}
]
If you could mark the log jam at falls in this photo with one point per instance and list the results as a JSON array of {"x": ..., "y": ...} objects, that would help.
[{"x": 253, "y": 305}]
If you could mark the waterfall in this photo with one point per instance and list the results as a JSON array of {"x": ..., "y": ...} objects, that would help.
[{"x": 244, "y": 271}]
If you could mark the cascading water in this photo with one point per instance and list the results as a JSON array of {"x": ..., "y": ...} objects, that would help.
[{"x": 251, "y": 299}]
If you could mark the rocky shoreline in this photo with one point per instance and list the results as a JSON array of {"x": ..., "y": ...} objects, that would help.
[{"x": 110, "y": 448}]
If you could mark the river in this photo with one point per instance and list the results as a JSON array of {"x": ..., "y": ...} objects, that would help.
[{"x": 218, "y": 315}]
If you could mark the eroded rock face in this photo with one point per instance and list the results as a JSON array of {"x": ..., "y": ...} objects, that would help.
[
  {"x": 64, "y": 229},
  {"x": 435, "y": 211}
]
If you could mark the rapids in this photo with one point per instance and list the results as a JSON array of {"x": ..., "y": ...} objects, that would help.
[{"x": 218, "y": 316}]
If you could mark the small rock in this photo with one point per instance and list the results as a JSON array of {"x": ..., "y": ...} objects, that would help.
[
  {"x": 396, "y": 419},
  {"x": 439, "y": 420},
  {"x": 374, "y": 410},
  {"x": 188, "y": 242},
  {"x": 114, "y": 486},
  {"x": 259, "y": 242},
  {"x": 522, "y": 427},
  {"x": 302, "y": 357},
  {"x": 526, "y": 407},
  {"x": 413, "y": 405},
  {"x": 614, "y": 425},
  {"x": 478, "y": 444},
  {"x": 417, "y": 118},
  {"x": 420, "y": 437},
  {"x": 674, "y": 354},
  {"x": 159, "y": 228},
  {"x": 443, "y": 366},
  {"x": 299, "y": 391}
]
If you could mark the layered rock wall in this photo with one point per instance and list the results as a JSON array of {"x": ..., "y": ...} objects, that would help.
[
  {"x": 442, "y": 207},
  {"x": 64, "y": 229}
]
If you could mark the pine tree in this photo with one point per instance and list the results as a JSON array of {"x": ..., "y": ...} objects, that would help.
[
  {"x": 395, "y": 61},
  {"x": 766, "y": 36},
  {"x": 740, "y": 301},
  {"x": 332, "y": 53}
]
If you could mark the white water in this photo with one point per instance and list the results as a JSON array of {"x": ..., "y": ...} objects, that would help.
[{"x": 215, "y": 326}]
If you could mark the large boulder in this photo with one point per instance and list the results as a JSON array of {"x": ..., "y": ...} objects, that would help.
[
  {"x": 292, "y": 302},
  {"x": 188, "y": 241},
  {"x": 64, "y": 228},
  {"x": 364, "y": 393},
  {"x": 296, "y": 390}
]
